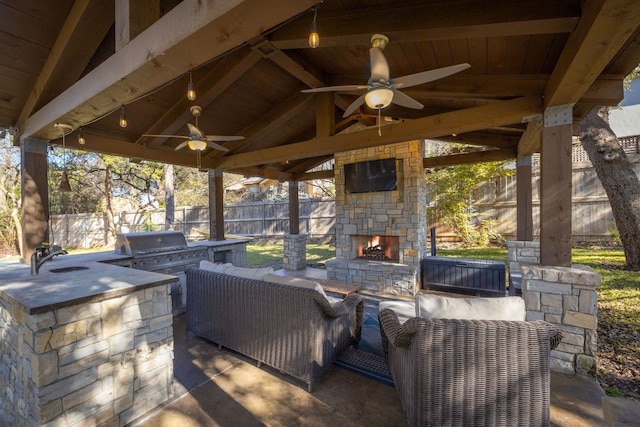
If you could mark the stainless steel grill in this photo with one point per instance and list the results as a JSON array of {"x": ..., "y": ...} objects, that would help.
[{"x": 163, "y": 252}]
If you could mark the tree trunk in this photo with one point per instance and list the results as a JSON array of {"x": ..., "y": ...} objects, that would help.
[
  {"x": 169, "y": 193},
  {"x": 617, "y": 175}
]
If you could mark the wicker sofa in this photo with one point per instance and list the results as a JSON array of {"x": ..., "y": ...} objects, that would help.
[
  {"x": 453, "y": 372},
  {"x": 293, "y": 329}
]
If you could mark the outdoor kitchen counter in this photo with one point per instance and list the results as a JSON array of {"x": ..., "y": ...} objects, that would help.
[
  {"x": 82, "y": 345},
  {"x": 48, "y": 291}
]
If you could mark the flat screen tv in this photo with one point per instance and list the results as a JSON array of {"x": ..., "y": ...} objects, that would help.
[{"x": 370, "y": 176}]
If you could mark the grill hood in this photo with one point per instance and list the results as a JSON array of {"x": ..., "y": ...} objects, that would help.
[{"x": 138, "y": 244}]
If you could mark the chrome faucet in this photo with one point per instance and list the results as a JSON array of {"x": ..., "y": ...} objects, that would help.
[{"x": 43, "y": 254}]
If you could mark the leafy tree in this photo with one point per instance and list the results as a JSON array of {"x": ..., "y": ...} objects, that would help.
[
  {"x": 451, "y": 193},
  {"x": 10, "y": 226}
]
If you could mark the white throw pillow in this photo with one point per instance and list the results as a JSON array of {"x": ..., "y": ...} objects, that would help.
[
  {"x": 248, "y": 273},
  {"x": 430, "y": 306},
  {"x": 214, "y": 267},
  {"x": 294, "y": 281}
]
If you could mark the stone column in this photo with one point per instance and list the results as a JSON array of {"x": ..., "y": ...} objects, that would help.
[
  {"x": 566, "y": 296},
  {"x": 295, "y": 252}
]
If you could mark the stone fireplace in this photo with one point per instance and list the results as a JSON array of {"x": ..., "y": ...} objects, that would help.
[{"x": 381, "y": 236}]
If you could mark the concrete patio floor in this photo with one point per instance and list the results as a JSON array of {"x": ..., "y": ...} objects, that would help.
[{"x": 218, "y": 388}]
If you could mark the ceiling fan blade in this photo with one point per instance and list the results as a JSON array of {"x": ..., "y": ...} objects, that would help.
[
  {"x": 222, "y": 138},
  {"x": 216, "y": 146},
  {"x": 343, "y": 88},
  {"x": 355, "y": 104},
  {"x": 167, "y": 136},
  {"x": 379, "y": 65},
  {"x": 181, "y": 145},
  {"x": 427, "y": 76},
  {"x": 404, "y": 100},
  {"x": 194, "y": 132}
]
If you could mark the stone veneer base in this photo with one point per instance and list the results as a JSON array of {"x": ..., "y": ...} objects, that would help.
[
  {"x": 375, "y": 276},
  {"x": 101, "y": 363}
]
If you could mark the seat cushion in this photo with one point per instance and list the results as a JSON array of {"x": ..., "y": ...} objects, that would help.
[
  {"x": 248, "y": 273},
  {"x": 429, "y": 306},
  {"x": 214, "y": 267},
  {"x": 405, "y": 310},
  {"x": 294, "y": 281}
]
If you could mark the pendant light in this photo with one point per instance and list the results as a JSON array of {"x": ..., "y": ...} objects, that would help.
[
  {"x": 81, "y": 139},
  {"x": 191, "y": 93},
  {"x": 314, "y": 37},
  {"x": 123, "y": 118}
]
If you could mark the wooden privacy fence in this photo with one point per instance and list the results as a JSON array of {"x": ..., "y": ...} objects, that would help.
[{"x": 256, "y": 219}]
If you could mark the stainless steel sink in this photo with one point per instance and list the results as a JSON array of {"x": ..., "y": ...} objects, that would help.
[{"x": 67, "y": 269}]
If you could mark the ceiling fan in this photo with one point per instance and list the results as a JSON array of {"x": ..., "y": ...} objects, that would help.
[
  {"x": 382, "y": 90},
  {"x": 197, "y": 140}
]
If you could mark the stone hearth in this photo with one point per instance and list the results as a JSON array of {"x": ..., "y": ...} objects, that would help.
[{"x": 398, "y": 216}]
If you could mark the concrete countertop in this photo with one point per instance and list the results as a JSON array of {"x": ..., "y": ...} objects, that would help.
[{"x": 48, "y": 290}]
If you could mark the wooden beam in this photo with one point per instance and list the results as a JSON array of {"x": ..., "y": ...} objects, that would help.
[
  {"x": 269, "y": 173},
  {"x": 469, "y": 158},
  {"x": 216, "y": 205},
  {"x": 35, "y": 197},
  {"x": 310, "y": 176},
  {"x": 83, "y": 31},
  {"x": 603, "y": 29},
  {"x": 160, "y": 54},
  {"x": 530, "y": 141},
  {"x": 428, "y": 21},
  {"x": 294, "y": 208},
  {"x": 483, "y": 139},
  {"x": 304, "y": 73},
  {"x": 105, "y": 144},
  {"x": 555, "y": 196},
  {"x": 524, "y": 199},
  {"x": 223, "y": 75},
  {"x": 467, "y": 120}
]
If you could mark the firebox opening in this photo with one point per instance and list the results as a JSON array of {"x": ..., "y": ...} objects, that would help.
[{"x": 377, "y": 248}]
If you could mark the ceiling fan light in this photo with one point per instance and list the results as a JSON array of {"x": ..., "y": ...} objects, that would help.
[
  {"x": 379, "y": 98},
  {"x": 197, "y": 145}
]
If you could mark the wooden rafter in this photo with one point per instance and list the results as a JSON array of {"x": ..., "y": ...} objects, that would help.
[
  {"x": 137, "y": 68},
  {"x": 469, "y": 158}
]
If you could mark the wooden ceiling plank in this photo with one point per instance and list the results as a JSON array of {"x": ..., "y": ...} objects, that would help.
[
  {"x": 469, "y": 158},
  {"x": 208, "y": 89},
  {"x": 275, "y": 118},
  {"x": 450, "y": 20},
  {"x": 467, "y": 120},
  {"x": 599, "y": 35},
  {"x": 160, "y": 54},
  {"x": 82, "y": 33}
]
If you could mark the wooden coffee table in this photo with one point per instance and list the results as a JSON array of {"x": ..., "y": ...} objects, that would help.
[{"x": 341, "y": 288}]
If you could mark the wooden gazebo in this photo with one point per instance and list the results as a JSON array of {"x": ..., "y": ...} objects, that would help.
[{"x": 536, "y": 68}]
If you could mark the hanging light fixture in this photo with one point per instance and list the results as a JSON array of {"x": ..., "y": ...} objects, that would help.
[
  {"x": 81, "y": 139},
  {"x": 64, "y": 179},
  {"x": 314, "y": 37},
  {"x": 191, "y": 94},
  {"x": 378, "y": 99},
  {"x": 123, "y": 118}
]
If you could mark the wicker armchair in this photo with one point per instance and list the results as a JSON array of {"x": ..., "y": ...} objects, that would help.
[
  {"x": 470, "y": 372},
  {"x": 292, "y": 329}
]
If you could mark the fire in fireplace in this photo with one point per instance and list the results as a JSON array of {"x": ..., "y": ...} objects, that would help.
[{"x": 378, "y": 248}]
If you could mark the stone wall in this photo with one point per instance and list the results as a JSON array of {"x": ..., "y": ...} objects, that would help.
[
  {"x": 400, "y": 212},
  {"x": 566, "y": 297},
  {"x": 294, "y": 252},
  {"x": 100, "y": 363}
]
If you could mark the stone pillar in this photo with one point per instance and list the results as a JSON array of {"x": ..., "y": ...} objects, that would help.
[
  {"x": 295, "y": 252},
  {"x": 566, "y": 296}
]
